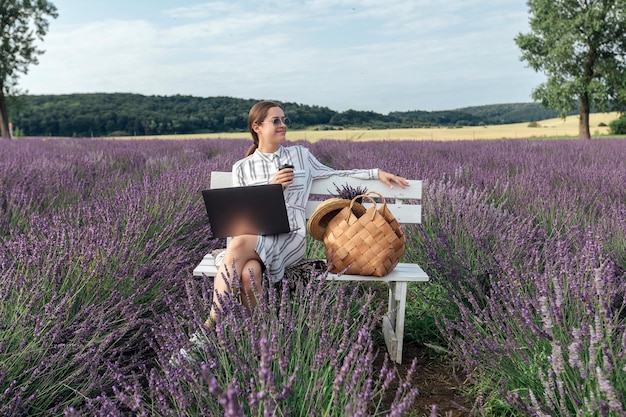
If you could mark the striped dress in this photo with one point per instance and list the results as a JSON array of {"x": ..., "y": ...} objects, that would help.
[{"x": 280, "y": 251}]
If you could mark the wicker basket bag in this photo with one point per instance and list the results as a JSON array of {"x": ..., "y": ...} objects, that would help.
[{"x": 369, "y": 243}]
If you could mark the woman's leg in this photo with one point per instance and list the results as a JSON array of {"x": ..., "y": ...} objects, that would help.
[
  {"x": 252, "y": 271},
  {"x": 241, "y": 253}
]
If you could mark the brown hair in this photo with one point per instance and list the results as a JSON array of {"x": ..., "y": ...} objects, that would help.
[{"x": 257, "y": 113}]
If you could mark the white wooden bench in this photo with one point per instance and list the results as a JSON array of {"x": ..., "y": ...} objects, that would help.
[{"x": 406, "y": 209}]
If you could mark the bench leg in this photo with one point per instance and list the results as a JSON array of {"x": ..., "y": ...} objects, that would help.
[{"x": 393, "y": 322}]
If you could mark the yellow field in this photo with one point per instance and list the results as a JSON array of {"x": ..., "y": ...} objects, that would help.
[{"x": 551, "y": 128}]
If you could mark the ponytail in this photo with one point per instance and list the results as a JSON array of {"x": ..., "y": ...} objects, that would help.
[{"x": 252, "y": 148}]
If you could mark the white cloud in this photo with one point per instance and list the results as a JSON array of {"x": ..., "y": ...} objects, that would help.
[{"x": 362, "y": 54}]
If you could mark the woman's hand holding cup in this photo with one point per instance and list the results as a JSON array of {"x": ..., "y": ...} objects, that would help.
[{"x": 284, "y": 175}]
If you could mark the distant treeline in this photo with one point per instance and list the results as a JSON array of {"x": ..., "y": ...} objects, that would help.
[{"x": 121, "y": 114}]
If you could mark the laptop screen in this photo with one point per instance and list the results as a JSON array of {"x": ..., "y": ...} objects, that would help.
[{"x": 255, "y": 210}]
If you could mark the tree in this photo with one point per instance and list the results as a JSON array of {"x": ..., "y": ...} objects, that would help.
[
  {"x": 581, "y": 47},
  {"x": 22, "y": 23}
]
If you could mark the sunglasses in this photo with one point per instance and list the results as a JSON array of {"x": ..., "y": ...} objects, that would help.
[{"x": 277, "y": 121}]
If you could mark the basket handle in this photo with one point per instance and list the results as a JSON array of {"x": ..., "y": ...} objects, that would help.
[
  {"x": 382, "y": 199},
  {"x": 368, "y": 196},
  {"x": 361, "y": 196}
]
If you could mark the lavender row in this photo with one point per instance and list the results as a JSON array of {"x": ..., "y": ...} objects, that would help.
[
  {"x": 97, "y": 243},
  {"x": 527, "y": 238}
]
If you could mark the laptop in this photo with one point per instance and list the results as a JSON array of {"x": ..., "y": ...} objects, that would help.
[{"x": 254, "y": 209}]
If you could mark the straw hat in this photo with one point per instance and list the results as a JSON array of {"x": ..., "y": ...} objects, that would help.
[{"x": 324, "y": 213}]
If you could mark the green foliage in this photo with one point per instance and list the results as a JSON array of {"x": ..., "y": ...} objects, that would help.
[
  {"x": 22, "y": 24},
  {"x": 579, "y": 46},
  {"x": 122, "y": 114},
  {"x": 511, "y": 113},
  {"x": 426, "y": 304},
  {"x": 618, "y": 126},
  {"x": 314, "y": 248}
]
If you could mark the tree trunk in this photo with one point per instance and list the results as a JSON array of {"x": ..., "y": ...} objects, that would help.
[
  {"x": 583, "y": 119},
  {"x": 4, "y": 122}
]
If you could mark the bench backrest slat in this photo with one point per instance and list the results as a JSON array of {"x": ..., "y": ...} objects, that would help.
[{"x": 406, "y": 208}]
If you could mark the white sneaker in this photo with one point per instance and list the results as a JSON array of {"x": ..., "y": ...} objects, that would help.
[
  {"x": 197, "y": 341},
  {"x": 184, "y": 354},
  {"x": 196, "y": 344}
]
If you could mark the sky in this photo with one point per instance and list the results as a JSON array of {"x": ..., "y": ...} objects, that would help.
[{"x": 366, "y": 55}]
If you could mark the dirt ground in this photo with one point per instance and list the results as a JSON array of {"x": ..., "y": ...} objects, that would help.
[{"x": 437, "y": 381}]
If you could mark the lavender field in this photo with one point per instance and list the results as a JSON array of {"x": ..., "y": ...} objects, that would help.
[{"x": 524, "y": 240}]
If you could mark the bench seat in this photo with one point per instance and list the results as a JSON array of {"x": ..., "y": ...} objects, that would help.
[{"x": 405, "y": 208}]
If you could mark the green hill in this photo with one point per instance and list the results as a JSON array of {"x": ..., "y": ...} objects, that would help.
[
  {"x": 497, "y": 114},
  {"x": 123, "y": 114}
]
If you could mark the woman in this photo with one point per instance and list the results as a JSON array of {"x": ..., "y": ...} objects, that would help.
[{"x": 252, "y": 255}]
